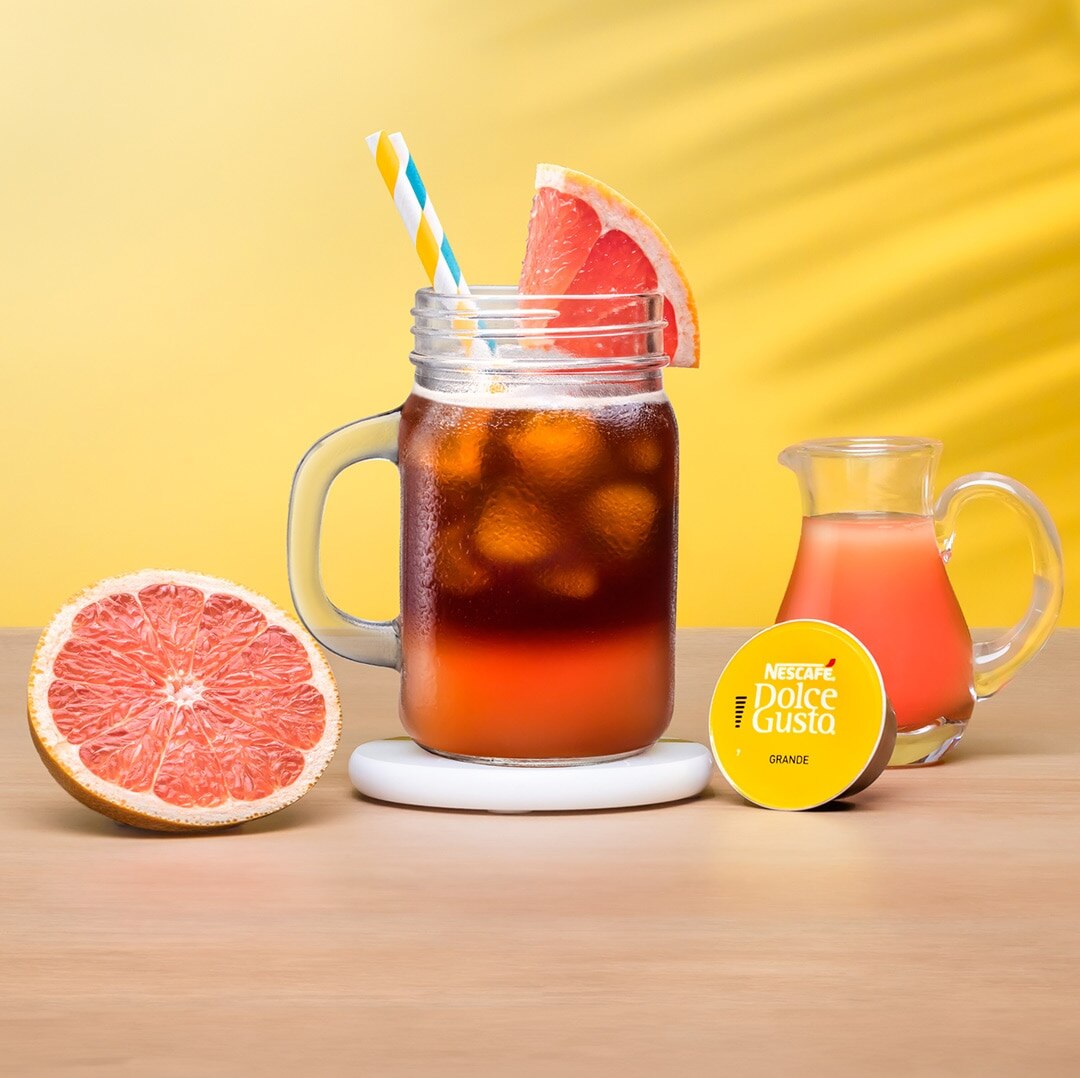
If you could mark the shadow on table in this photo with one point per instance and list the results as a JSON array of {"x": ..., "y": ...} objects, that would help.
[
  {"x": 721, "y": 795},
  {"x": 71, "y": 817},
  {"x": 707, "y": 795},
  {"x": 1003, "y": 748},
  {"x": 1008, "y": 735}
]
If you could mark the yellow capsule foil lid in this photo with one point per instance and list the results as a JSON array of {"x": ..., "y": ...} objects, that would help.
[{"x": 799, "y": 717}]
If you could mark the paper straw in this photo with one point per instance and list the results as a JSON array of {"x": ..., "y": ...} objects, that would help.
[
  {"x": 417, "y": 212},
  {"x": 402, "y": 178}
]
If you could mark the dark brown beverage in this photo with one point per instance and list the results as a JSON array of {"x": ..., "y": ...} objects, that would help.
[{"x": 538, "y": 576}]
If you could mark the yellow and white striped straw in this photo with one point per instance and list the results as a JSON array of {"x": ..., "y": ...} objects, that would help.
[{"x": 399, "y": 172}]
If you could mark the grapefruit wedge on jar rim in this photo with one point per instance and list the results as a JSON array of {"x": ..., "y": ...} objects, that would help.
[
  {"x": 178, "y": 702},
  {"x": 586, "y": 239}
]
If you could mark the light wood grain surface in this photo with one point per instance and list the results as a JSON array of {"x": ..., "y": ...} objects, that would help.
[{"x": 931, "y": 927}]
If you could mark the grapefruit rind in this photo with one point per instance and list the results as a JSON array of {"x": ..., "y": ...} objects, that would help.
[
  {"x": 147, "y": 810},
  {"x": 617, "y": 212}
]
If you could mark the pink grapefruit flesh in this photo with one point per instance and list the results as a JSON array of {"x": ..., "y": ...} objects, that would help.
[
  {"x": 176, "y": 701},
  {"x": 586, "y": 239}
]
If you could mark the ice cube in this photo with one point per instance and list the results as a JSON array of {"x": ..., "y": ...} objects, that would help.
[
  {"x": 644, "y": 453},
  {"x": 621, "y": 516},
  {"x": 574, "y": 581},
  {"x": 455, "y": 456},
  {"x": 557, "y": 449},
  {"x": 456, "y": 569},
  {"x": 514, "y": 530}
]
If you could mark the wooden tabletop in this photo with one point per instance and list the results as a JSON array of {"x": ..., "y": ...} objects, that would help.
[{"x": 930, "y": 926}]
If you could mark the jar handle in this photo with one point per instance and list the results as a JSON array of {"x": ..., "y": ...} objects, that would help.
[
  {"x": 377, "y": 643},
  {"x": 997, "y": 660}
]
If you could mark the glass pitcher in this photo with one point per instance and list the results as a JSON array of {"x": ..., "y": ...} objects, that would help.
[
  {"x": 872, "y": 559},
  {"x": 538, "y": 458}
]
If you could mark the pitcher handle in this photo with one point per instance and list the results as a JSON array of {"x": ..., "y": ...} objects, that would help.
[
  {"x": 997, "y": 660},
  {"x": 377, "y": 643}
]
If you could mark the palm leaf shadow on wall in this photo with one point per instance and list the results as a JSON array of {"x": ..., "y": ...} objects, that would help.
[{"x": 895, "y": 190}]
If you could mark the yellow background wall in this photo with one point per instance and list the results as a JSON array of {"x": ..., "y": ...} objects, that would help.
[{"x": 200, "y": 273}]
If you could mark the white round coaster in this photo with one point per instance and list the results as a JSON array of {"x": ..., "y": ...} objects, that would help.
[{"x": 399, "y": 770}]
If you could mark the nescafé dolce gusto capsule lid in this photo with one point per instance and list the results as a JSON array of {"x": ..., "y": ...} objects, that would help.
[{"x": 799, "y": 717}]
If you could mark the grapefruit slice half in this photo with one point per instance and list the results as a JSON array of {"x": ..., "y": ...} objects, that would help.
[
  {"x": 586, "y": 239},
  {"x": 175, "y": 701}
]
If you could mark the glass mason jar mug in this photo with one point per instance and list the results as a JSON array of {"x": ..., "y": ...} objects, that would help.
[{"x": 539, "y": 461}]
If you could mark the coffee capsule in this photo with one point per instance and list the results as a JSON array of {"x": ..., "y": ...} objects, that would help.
[{"x": 799, "y": 717}]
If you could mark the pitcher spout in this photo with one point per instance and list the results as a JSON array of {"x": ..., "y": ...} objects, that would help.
[
  {"x": 790, "y": 456},
  {"x": 864, "y": 475}
]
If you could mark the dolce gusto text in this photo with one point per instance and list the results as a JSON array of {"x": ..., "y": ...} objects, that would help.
[{"x": 787, "y": 701}]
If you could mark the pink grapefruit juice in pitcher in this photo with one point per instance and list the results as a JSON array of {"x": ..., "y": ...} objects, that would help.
[
  {"x": 871, "y": 559},
  {"x": 882, "y": 578}
]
